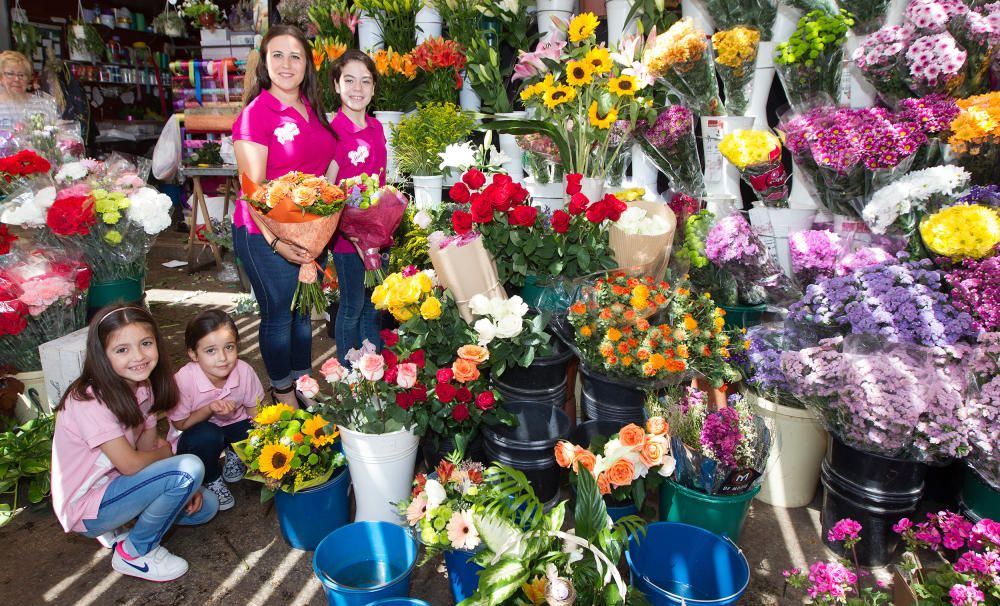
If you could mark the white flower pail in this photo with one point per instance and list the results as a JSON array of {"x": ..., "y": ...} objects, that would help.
[
  {"x": 428, "y": 24},
  {"x": 547, "y": 9},
  {"x": 763, "y": 77},
  {"x": 550, "y": 196},
  {"x": 644, "y": 172},
  {"x": 722, "y": 205},
  {"x": 369, "y": 33},
  {"x": 800, "y": 195},
  {"x": 381, "y": 468},
  {"x": 468, "y": 98},
  {"x": 427, "y": 191},
  {"x": 784, "y": 223},
  {"x": 387, "y": 119},
  {"x": 721, "y": 177},
  {"x": 617, "y": 28},
  {"x": 856, "y": 90},
  {"x": 794, "y": 464},
  {"x": 508, "y": 145},
  {"x": 34, "y": 390},
  {"x": 699, "y": 14},
  {"x": 591, "y": 187}
]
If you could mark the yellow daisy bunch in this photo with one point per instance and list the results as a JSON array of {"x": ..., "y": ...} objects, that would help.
[
  {"x": 978, "y": 120},
  {"x": 582, "y": 27},
  {"x": 965, "y": 231},
  {"x": 745, "y": 148},
  {"x": 737, "y": 47}
]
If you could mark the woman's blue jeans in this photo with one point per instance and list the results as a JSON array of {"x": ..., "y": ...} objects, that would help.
[
  {"x": 285, "y": 337},
  {"x": 357, "y": 318},
  {"x": 155, "y": 498}
]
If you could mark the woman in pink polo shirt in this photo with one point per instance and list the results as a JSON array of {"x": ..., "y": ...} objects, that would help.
[
  {"x": 360, "y": 149},
  {"x": 281, "y": 129}
]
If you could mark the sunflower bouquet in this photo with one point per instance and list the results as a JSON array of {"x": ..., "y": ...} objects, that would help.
[
  {"x": 290, "y": 450},
  {"x": 680, "y": 58},
  {"x": 735, "y": 58}
]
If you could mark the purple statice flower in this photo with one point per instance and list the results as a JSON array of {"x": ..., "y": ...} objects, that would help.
[
  {"x": 720, "y": 435},
  {"x": 831, "y": 581},
  {"x": 673, "y": 123},
  {"x": 814, "y": 254},
  {"x": 986, "y": 195},
  {"x": 966, "y": 595},
  {"x": 763, "y": 359},
  {"x": 934, "y": 113},
  {"x": 865, "y": 256},
  {"x": 975, "y": 289},
  {"x": 619, "y": 133},
  {"x": 844, "y": 530}
]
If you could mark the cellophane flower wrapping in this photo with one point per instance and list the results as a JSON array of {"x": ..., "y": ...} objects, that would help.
[
  {"x": 671, "y": 146},
  {"x": 934, "y": 114},
  {"x": 975, "y": 289},
  {"x": 880, "y": 59},
  {"x": 761, "y": 365},
  {"x": 42, "y": 297},
  {"x": 711, "y": 445},
  {"x": 963, "y": 231},
  {"x": 869, "y": 15},
  {"x": 735, "y": 61},
  {"x": 757, "y": 155},
  {"x": 370, "y": 226},
  {"x": 983, "y": 419},
  {"x": 57, "y": 142},
  {"x": 733, "y": 246},
  {"x": 814, "y": 254},
  {"x": 689, "y": 258},
  {"x": 681, "y": 59},
  {"x": 758, "y": 14},
  {"x": 808, "y": 64},
  {"x": 541, "y": 158},
  {"x": 19, "y": 168},
  {"x": 975, "y": 138}
]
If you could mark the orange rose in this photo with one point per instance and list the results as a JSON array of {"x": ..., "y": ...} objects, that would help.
[
  {"x": 313, "y": 182},
  {"x": 465, "y": 370},
  {"x": 280, "y": 193},
  {"x": 304, "y": 196},
  {"x": 292, "y": 177},
  {"x": 653, "y": 450},
  {"x": 474, "y": 353},
  {"x": 603, "y": 485},
  {"x": 631, "y": 435},
  {"x": 584, "y": 457},
  {"x": 621, "y": 472},
  {"x": 564, "y": 453},
  {"x": 657, "y": 426},
  {"x": 330, "y": 193}
]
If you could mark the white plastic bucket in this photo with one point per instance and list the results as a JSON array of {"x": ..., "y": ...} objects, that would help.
[
  {"x": 784, "y": 223},
  {"x": 387, "y": 119},
  {"x": 381, "y": 468},
  {"x": 794, "y": 466},
  {"x": 428, "y": 24},
  {"x": 508, "y": 145},
  {"x": 427, "y": 191},
  {"x": 369, "y": 33}
]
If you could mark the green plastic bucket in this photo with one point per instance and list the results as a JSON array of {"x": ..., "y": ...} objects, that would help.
[
  {"x": 126, "y": 290},
  {"x": 978, "y": 498},
  {"x": 722, "y": 515},
  {"x": 743, "y": 316}
]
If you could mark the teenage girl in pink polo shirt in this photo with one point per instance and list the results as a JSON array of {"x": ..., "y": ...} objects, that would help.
[
  {"x": 360, "y": 149},
  {"x": 109, "y": 466},
  {"x": 281, "y": 129}
]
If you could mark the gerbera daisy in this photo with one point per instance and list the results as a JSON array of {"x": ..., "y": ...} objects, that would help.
[
  {"x": 623, "y": 86},
  {"x": 604, "y": 122},
  {"x": 275, "y": 461},
  {"x": 272, "y": 414},
  {"x": 557, "y": 95},
  {"x": 600, "y": 59},
  {"x": 314, "y": 427},
  {"x": 579, "y": 73},
  {"x": 462, "y": 531},
  {"x": 582, "y": 27}
]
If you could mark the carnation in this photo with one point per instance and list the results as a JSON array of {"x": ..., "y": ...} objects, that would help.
[{"x": 150, "y": 209}]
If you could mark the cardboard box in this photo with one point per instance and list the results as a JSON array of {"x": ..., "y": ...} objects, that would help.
[
  {"x": 62, "y": 362},
  {"x": 243, "y": 38},
  {"x": 214, "y": 36},
  {"x": 214, "y": 53}
]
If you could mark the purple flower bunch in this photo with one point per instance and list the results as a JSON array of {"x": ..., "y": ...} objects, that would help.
[
  {"x": 763, "y": 359},
  {"x": 733, "y": 246},
  {"x": 983, "y": 415},
  {"x": 670, "y": 144},
  {"x": 814, "y": 254},
  {"x": 934, "y": 15},
  {"x": 935, "y": 63},
  {"x": 901, "y": 301},
  {"x": 720, "y": 435},
  {"x": 975, "y": 290},
  {"x": 672, "y": 124},
  {"x": 934, "y": 113},
  {"x": 879, "y": 56},
  {"x": 986, "y": 195},
  {"x": 866, "y": 256}
]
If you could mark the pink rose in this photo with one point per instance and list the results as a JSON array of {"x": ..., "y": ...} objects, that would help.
[
  {"x": 333, "y": 371},
  {"x": 307, "y": 386},
  {"x": 372, "y": 366},
  {"x": 407, "y": 376}
]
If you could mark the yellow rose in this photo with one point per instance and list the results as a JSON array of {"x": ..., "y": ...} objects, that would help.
[
  {"x": 409, "y": 292},
  {"x": 430, "y": 309},
  {"x": 381, "y": 296},
  {"x": 402, "y": 313},
  {"x": 424, "y": 281}
]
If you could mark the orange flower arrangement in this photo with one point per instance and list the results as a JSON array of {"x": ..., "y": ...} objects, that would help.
[
  {"x": 396, "y": 73},
  {"x": 441, "y": 61}
]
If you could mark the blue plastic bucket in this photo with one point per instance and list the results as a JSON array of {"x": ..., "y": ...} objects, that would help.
[
  {"x": 399, "y": 602},
  {"x": 619, "y": 511},
  {"x": 677, "y": 563},
  {"x": 463, "y": 575},
  {"x": 309, "y": 515},
  {"x": 364, "y": 562}
]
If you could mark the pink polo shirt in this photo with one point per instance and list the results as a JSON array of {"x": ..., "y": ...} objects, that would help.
[
  {"x": 80, "y": 471},
  {"x": 293, "y": 143},
  {"x": 359, "y": 150},
  {"x": 196, "y": 389}
]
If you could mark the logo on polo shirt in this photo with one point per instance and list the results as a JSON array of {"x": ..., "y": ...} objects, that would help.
[
  {"x": 286, "y": 132},
  {"x": 359, "y": 155}
]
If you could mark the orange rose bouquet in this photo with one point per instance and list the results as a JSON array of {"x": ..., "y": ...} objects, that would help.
[
  {"x": 302, "y": 209},
  {"x": 625, "y": 461}
]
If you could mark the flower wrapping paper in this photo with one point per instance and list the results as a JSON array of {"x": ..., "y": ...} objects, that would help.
[{"x": 466, "y": 271}]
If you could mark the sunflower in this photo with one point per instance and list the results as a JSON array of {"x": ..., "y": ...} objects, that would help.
[
  {"x": 314, "y": 427},
  {"x": 557, "y": 95},
  {"x": 623, "y": 86},
  {"x": 579, "y": 73},
  {"x": 599, "y": 122},
  {"x": 582, "y": 27},
  {"x": 275, "y": 461},
  {"x": 600, "y": 59},
  {"x": 272, "y": 414}
]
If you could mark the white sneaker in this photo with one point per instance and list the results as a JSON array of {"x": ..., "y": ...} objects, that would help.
[
  {"x": 109, "y": 538},
  {"x": 158, "y": 565},
  {"x": 234, "y": 469},
  {"x": 226, "y": 500}
]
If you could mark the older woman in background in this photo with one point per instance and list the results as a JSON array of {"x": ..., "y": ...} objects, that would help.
[{"x": 17, "y": 104}]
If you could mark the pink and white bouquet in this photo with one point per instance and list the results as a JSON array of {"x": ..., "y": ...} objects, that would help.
[
  {"x": 371, "y": 215},
  {"x": 814, "y": 254}
]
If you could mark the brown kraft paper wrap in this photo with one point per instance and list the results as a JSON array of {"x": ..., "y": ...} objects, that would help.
[
  {"x": 466, "y": 271},
  {"x": 644, "y": 255}
]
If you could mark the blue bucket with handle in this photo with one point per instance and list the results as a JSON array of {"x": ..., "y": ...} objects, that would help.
[
  {"x": 399, "y": 602},
  {"x": 364, "y": 562},
  {"x": 681, "y": 564},
  {"x": 463, "y": 573}
]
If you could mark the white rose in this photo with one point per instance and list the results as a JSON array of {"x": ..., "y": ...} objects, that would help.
[
  {"x": 509, "y": 327},
  {"x": 514, "y": 306},
  {"x": 480, "y": 305},
  {"x": 435, "y": 494},
  {"x": 485, "y": 330},
  {"x": 422, "y": 219}
]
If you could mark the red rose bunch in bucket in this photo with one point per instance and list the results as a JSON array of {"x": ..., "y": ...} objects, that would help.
[{"x": 461, "y": 399}]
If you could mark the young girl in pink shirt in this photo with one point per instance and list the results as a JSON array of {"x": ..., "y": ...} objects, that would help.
[
  {"x": 109, "y": 466},
  {"x": 219, "y": 394}
]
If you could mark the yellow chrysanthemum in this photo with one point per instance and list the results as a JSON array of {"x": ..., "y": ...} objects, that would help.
[
  {"x": 623, "y": 86},
  {"x": 582, "y": 27},
  {"x": 597, "y": 120},
  {"x": 557, "y": 95},
  {"x": 314, "y": 427},
  {"x": 964, "y": 231},
  {"x": 272, "y": 414},
  {"x": 750, "y": 147},
  {"x": 599, "y": 58},
  {"x": 736, "y": 48},
  {"x": 275, "y": 461},
  {"x": 579, "y": 73}
]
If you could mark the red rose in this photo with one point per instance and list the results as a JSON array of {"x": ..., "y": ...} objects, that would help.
[
  {"x": 464, "y": 395},
  {"x": 597, "y": 212},
  {"x": 417, "y": 358},
  {"x": 578, "y": 204},
  {"x": 460, "y": 412},
  {"x": 390, "y": 358},
  {"x": 404, "y": 400},
  {"x": 573, "y": 183},
  {"x": 615, "y": 207},
  {"x": 6, "y": 239},
  {"x": 444, "y": 375},
  {"x": 482, "y": 210},
  {"x": 391, "y": 372},
  {"x": 502, "y": 179},
  {"x": 461, "y": 222},
  {"x": 445, "y": 392},
  {"x": 518, "y": 193},
  {"x": 389, "y": 337},
  {"x": 459, "y": 192},
  {"x": 523, "y": 215},
  {"x": 419, "y": 393},
  {"x": 474, "y": 178},
  {"x": 485, "y": 401},
  {"x": 560, "y": 221},
  {"x": 72, "y": 215}
]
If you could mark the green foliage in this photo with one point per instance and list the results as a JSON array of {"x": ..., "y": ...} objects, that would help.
[
  {"x": 409, "y": 246},
  {"x": 420, "y": 137},
  {"x": 25, "y": 454},
  {"x": 397, "y": 19},
  {"x": 25, "y": 37},
  {"x": 91, "y": 42}
]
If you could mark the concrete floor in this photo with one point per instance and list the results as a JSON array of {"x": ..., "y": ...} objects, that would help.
[{"x": 240, "y": 557}]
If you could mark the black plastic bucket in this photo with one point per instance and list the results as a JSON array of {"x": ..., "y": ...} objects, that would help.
[
  {"x": 882, "y": 476},
  {"x": 584, "y": 433},
  {"x": 605, "y": 399},
  {"x": 529, "y": 446},
  {"x": 543, "y": 382},
  {"x": 555, "y": 396},
  {"x": 436, "y": 447}
]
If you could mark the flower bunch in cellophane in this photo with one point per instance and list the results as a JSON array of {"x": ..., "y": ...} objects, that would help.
[
  {"x": 756, "y": 14},
  {"x": 669, "y": 142},
  {"x": 733, "y": 246},
  {"x": 757, "y": 155},
  {"x": 735, "y": 60},
  {"x": 681, "y": 59},
  {"x": 965, "y": 231},
  {"x": 289, "y": 449},
  {"x": 15, "y": 167},
  {"x": 371, "y": 215},
  {"x": 975, "y": 139},
  {"x": 807, "y": 63}
]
